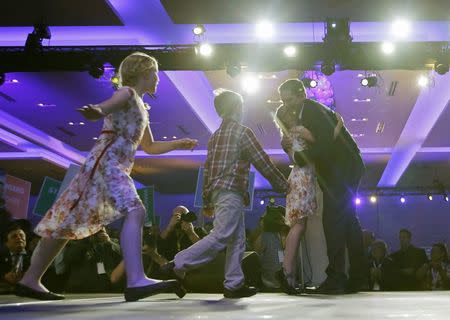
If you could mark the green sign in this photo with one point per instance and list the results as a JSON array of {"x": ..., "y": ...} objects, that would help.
[
  {"x": 47, "y": 196},
  {"x": 147, "y": 197}
]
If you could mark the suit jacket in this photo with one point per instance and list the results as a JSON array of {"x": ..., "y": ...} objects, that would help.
[
  {"x": 6, "y": 262},
  {"x": 337, "y": 161}
]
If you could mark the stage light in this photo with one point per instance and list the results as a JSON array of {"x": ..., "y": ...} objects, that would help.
[
  {"x": 327, "y": 68},
  {"x": 290, "y": 51},
  {"x": 205, "y": 49},
  {"x": 445, "y": 198},
  {"x": 250, "y": 84},
  {"x": 264, "y": 30},
  {"x": 357, "y": 201},
  {"x": 96, "y": 70},
  {"x": 262, "y": 202},
  {"x": 199, "y": 29},
  {"x": 388, "y": 48},
  {"x": 402, "y": 199},
  {"x": 309, "y": 83},
  {"x": 373, "y": 199},
  {"x": 441, "y": 68},
  {"x": 430, "y": 197},
  {"x": 423, "y": 81},
  {"x": 2, "y": 78},
  {"x": 337, "y": 31},
  {"x": 233, "y": 70},
  {"x": 369, "y": 81},
  {"x": 34, "y": 39},
  {"x": 401, "y": 28}
]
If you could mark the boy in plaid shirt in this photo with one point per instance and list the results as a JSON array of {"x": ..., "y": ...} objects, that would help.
[{"x": 231, "y": 151}]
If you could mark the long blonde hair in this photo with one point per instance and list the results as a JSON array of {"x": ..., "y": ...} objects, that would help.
[{"x": 133, "y": 66}]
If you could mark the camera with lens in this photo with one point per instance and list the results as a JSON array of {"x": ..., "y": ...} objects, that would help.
[{"x": 189, "y": 216}]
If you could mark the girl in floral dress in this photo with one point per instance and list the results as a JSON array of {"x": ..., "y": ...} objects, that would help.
[
  {"x": 103, "y": 190},
  {"x": 301, "y": 199}
]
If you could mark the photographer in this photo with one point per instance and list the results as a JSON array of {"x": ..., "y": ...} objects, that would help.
[
  {"x": 270, "y": 245},
  {"x": 180, "y": 233},
  {"x": 90, "y": 262}
]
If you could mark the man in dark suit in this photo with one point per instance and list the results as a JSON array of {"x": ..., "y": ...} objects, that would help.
[
  {"x": 14, "y": 260},
  {"x": 408, "y": 260},
  {"x": 339, "y": 168}
]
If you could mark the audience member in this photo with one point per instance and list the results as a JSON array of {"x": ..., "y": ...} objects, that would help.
[
  {"x": 90, "y": 262},
  {"x": 14, "y": 259},
  {"x": 435, "y": 275},
  {"x": 179, "y": 234},
  {"x": 381, "y": 268},
  {"x": 270, "y": 247},
  {"x": 407, "y": 261}
]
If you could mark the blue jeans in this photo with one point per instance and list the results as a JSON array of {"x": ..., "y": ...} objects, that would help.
[{"x": 228, "y": 232}]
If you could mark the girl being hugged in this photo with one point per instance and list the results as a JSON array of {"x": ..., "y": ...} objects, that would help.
[{"x": 103, "y": 190}]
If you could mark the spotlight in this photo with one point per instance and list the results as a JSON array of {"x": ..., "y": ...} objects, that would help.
[
  {"x": 337, "y": 31},
  {"x": 264, "y": 30},
  {"x": 261, "y": 202},
  {"x": 290, "y": 51},
  {"x": 2, "y": 78},
  {"x": 430, "y": 197},
  {"x": 441, "y": 68},
  {"x": 327, "y": 68},
  {"x": 402, "y": 199},
  {"x": 250, "y": 84},
  {"x": 401, "y": 28},
  {"x": 96, "y": 70},
  {"x": 357, "y": 201},
  {"x": 445, "y": 198},
  {"x": 423, "y": 81},
  {"x": 205, "y": 49},
  {"x": 369, "y": 81},
  {"x": 373, "y": 199},
  {"x": 34, "y": 39},
  {"x": 388, "y": 47},
  {"x": 309, "y": 83},
  {"x": 233, "y": 70},
  {"x": 199, "y": 29}
]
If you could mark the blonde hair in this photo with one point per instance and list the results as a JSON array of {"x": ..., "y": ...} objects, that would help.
[
  {"x": 134, "y": 66},
  {"x": 226, "y": 102}
]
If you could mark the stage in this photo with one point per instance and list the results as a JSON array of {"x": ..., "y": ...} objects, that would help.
[{"x": 387, "y": 305}]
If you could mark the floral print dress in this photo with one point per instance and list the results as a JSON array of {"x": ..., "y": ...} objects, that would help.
[
  {"x": 103, "y": 190},
  {"x": 301, "y": 200}
]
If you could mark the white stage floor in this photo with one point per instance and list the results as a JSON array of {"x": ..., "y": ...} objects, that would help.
[{"x": 388, "y": 305}]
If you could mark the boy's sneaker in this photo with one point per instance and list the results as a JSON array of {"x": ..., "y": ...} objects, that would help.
[{"x": 243, "y": 292}]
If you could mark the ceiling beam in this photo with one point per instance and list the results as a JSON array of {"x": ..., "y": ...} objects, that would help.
[
  {"x": 37, "y": 138},
  {"x": 430, "y": 104}
]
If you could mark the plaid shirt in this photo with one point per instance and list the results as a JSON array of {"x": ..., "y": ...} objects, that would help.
[{"x": 231, "y": 150}]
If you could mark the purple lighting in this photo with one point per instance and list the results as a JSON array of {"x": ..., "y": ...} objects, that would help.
[
  {"x": 357, "y": 201},
  {"x": 402, "y": 199},
  {"x": 322, "y": 91}
]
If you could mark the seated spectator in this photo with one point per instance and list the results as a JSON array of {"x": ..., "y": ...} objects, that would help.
[
  {"x": 381, "y": 267},
  {"x": 407, "y": 261},
  {"x": 179, "y": 234},
  {"x": 14, "y": 259},
  {"x": 435, "y": 275},
  {"x": 270, "y": 248},
  {"x": 90, "y": 263}
]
